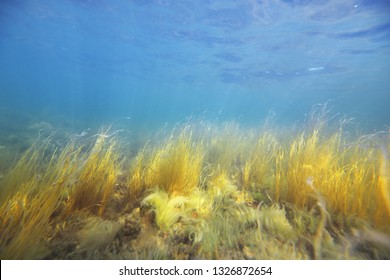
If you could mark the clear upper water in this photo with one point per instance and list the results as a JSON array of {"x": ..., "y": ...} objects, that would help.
[{"x": 162, "y": 61}]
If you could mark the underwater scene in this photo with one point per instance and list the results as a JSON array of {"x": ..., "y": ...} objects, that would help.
[{"x": 195, "y": 130}]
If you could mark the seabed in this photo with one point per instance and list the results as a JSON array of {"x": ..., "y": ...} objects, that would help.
[{"x": 198, "y": 191}]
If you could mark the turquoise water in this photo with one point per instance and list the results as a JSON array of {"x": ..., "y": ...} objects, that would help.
[
  {"x": 87, "y": 63},
  {"x": 145, "y": 118}
]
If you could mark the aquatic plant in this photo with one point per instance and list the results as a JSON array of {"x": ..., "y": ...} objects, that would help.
[
  {"x": 212, "y": 219},
  {"x": 95, "y": 178},
  {"x": 308, "y": 157},
  {"x": 26, "y": 168},
  {"x": 167, "y": 210},
  {"x": 273, "y": 220},
  {"x": 382, "y": 215},
  {"x": 175, "y": 166},
  {"x": 346, "y": 178},
  {"x": 225, "y": 146},
  {"x": 136, "y": 177},
  {"x": 25, "y": 221},
  {"x": 203, "y": 192},
  {"x": 259, "y": 166},
  {"x": 35, "y": 189}
]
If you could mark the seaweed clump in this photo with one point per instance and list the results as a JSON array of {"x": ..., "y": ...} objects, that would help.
[{"x": 205, "y": 191}]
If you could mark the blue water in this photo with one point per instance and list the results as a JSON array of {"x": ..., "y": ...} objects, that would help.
[{"x": 162, "y": 61}]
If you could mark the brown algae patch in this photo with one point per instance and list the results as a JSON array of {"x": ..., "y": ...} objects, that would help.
[{"x": 201, "y": 192}]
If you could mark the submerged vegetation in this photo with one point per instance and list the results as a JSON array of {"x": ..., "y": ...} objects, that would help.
[{"x": 202, "y": 192}]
